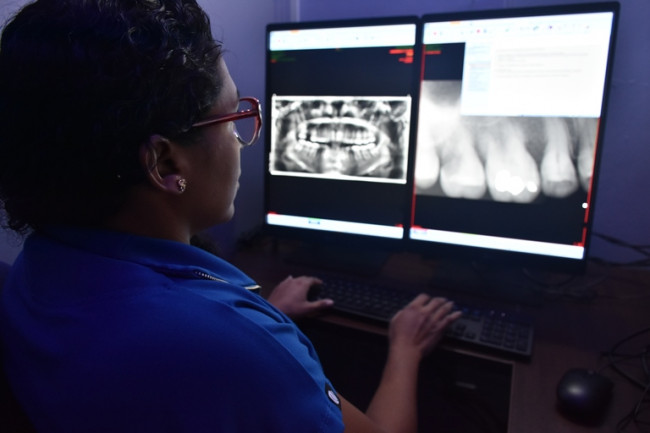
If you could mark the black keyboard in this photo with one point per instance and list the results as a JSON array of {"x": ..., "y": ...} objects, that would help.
[{"x": 504, "y": 332}]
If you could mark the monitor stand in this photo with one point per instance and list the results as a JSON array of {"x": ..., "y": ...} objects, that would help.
[
  {"x": 340, "y": 258},
  {"x": 504, "y": 284}
]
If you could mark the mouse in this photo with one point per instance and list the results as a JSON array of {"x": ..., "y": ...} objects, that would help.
[{"x": 584, "y": 395}]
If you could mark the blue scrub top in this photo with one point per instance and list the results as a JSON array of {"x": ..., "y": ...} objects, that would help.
[{"x": 110, "y": 332}]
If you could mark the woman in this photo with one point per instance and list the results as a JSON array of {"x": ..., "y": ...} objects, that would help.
[{"x": 117, "y": 146}]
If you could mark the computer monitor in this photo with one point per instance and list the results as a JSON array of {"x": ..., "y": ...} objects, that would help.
[
  {"x": 510, "y": 132},
  {"x": 339, "y": 101}
]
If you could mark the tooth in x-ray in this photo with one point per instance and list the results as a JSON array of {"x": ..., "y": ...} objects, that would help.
[
  {"x": 559, "y": 177},
  {"x": 511, "y": 171},
  {"x": 462, "y": 174}
]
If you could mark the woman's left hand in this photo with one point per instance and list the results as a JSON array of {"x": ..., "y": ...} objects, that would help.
[{"x": 290, "y": 297}]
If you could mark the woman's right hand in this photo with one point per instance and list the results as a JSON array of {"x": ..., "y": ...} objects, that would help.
[{"x": 418, "y": 327}]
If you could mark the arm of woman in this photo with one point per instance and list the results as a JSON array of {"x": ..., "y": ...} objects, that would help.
[
  {"x": 355, "y": 421},
  {"x": 413, "y": 333}
]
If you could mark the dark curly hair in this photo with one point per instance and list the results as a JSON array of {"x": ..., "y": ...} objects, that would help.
[{"x": 83, "y": 83}]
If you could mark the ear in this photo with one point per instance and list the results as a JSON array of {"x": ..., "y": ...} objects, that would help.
[{"x": 158, "y": 158}]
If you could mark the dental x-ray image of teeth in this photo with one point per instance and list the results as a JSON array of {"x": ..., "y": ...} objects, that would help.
[
  {"x": 340, "y": 137},
  {"x": 505, "y": 159}
]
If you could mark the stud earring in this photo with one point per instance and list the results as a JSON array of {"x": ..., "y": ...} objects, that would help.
[{"x": 181, "y": 183}]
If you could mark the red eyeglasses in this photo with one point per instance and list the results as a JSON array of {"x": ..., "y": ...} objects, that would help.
[{"x": 247, "y": 120}]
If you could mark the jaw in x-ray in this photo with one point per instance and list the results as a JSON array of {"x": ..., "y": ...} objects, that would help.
[{"x": 341, "y": 137}]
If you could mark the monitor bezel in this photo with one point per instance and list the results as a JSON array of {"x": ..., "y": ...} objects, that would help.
[
  {"x": 508, "y": 259},
  {"x": 332, "y": 239}
]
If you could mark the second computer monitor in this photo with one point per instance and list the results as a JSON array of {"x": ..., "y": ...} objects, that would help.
[{"x": 511, "y": 112}]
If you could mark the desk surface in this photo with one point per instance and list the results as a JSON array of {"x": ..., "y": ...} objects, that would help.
[{"x": 568, "y": 333}]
